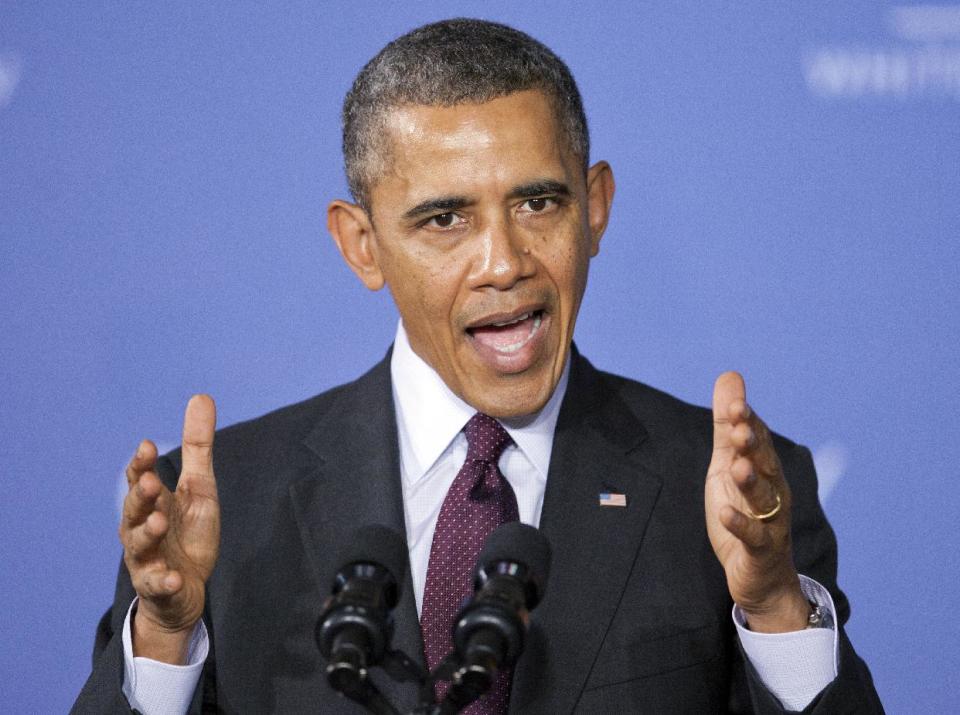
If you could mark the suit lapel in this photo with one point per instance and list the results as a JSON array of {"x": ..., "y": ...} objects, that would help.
[
  {"x": 594, "y": 546},
  {"x": 356, "y": 482}
]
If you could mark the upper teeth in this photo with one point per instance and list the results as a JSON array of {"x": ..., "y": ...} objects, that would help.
[
  {"x": 523, "y": 341},
  {"x": 515, "y": 320}
]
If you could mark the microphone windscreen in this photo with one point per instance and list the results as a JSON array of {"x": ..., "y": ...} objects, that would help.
[
  {"x": 521, "y": 543},
  {"x": 378, "y": 544}
]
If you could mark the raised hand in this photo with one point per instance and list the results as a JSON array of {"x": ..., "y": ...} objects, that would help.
[
  {"x": 747, "y": 504},
  {"x": 171, "y": 539}
]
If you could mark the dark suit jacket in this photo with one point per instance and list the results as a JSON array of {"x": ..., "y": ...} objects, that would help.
[{"x": 636, "y": 616}]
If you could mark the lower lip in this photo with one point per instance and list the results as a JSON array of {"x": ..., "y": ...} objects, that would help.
[{"x": 523, "y": 358}]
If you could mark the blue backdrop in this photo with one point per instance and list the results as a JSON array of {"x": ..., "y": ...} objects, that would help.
[{"x": 788, "y": 181}]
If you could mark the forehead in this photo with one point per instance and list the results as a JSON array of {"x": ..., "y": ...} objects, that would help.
[{"x": 472, "y": 147}]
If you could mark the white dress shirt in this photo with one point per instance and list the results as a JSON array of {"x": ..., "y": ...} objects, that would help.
[
  {"x": 433, "y": 448},
  {"x": 793, "y": 666}
]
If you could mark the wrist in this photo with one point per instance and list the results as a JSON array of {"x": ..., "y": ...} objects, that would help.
[
  {"x": 154, "y": 641},
  {"x": 789, "y": 611}
]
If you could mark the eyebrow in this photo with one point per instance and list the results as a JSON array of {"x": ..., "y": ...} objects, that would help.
[
  {"x": 443, "y": 204},
  {"x": 539, "y": 188},
  {"x": 446, "y": 204}
]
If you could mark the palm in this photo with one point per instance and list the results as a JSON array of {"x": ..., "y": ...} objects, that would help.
[
  {"x": 721, "y": 490},
  {"x": 194, "y": 533},
  {"x": 192, "y": 543}
]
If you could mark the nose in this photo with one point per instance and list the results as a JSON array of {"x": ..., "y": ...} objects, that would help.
[{"x": 505, "y": 257}]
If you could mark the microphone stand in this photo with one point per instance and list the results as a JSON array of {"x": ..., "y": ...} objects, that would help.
[{"x": 468, "y": 681}]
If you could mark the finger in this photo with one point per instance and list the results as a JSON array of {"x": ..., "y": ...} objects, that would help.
[
  {"x": 750, "y": 531},
  {"x": 145, "y": 459},
  {"x": 728, "y": 389},
  {"x": 753, "y": 440},
  {"x": 759, "y": 493},
  {"x": 157, "y": 583},
  {"x": 748, "y": 433},
  {"x": 739, "y": 411},
  {"x": 199, "y": 424},
  {"x": 743, "y": 438},
  {"x": 144, "y": 540},
  {"x": 141, "y": 500}
]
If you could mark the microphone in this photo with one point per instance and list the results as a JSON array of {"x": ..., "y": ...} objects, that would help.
[
  {"x": 355, "y": 627},
  {"x": 489, "y": 630}
]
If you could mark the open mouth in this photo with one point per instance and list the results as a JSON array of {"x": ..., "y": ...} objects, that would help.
[{"x": 510, "y": 335}]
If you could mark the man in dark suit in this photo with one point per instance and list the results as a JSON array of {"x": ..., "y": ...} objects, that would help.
[{"x": 467, "y": 154}]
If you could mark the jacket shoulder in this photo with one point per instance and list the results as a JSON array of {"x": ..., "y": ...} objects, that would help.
[
  {"x": 277, "y": 437},
  {"x": 661, "y": 412}
]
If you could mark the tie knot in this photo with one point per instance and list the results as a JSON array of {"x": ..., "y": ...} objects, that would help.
[{"x": 486, "y": 438}]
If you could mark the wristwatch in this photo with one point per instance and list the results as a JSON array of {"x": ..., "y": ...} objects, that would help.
[{"x": 819, "y": 617}]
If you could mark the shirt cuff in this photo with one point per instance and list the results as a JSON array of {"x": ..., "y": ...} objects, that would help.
[
  {"x": 153, "y": 687},
  {"x": 794, "y": 666}
]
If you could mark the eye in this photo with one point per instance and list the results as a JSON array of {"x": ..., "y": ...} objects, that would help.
[
  {"x": 445, "y": 220},
  {"x": 538, "y": 205}
]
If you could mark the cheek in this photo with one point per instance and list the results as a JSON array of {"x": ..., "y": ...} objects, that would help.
[
  {"x": 425, "y": 287},
  {"x": 569, "y": 261}
]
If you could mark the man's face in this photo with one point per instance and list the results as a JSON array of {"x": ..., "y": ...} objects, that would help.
[{"x": 483, "y": 226}]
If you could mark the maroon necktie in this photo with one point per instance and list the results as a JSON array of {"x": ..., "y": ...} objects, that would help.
[{"x": 479, "y": 500}]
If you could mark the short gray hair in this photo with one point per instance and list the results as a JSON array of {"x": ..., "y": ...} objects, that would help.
[{"x": 444, "y": 64}]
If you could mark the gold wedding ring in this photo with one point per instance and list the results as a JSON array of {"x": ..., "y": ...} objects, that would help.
[{"x": 766, "y": 516}]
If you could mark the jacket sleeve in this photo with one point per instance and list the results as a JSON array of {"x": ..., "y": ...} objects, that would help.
[{"x": 103, "y": 691}]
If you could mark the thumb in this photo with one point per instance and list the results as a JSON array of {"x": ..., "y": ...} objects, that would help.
[
  {"x": 199, "y": 424},
  {"x": 728, "y": 389}
]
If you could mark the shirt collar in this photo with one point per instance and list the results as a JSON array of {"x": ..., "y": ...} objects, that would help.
[{"x": 430, "y": 415}]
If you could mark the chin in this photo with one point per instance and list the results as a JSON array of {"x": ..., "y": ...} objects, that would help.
[{"x": 511, "y": 401}]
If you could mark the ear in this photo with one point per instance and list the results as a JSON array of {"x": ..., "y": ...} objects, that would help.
[
  {"x": 600, "y": 189},
  {"x": 354, "y": 235}
]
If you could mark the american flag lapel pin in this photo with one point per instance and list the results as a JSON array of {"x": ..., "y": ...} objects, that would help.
[{"x": 612, "y": 499}]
